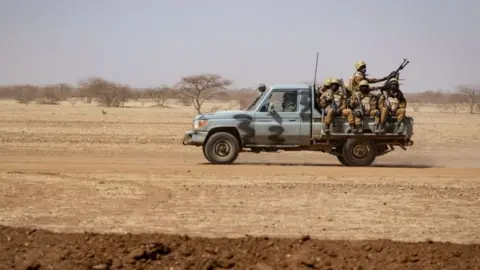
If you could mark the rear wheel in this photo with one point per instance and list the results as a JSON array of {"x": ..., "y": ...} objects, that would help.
[
  {"x": 359, "y": 152},
  {"x": 221, "y": 148}
]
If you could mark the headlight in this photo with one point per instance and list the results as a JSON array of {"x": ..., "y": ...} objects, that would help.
[{"x": 198, "y": 123}]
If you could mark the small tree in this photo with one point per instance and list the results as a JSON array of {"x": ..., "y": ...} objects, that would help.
[
  {"x": 200, "y": 88},
  {"x": 108, "y": 93},
  {"x": 26, "y": 94},
  {"x": 51, "y": 95},
  {"x": 160, "y": 95},
  {"x": 65, "y": 91},
  {"x": 471, "y": 95}
]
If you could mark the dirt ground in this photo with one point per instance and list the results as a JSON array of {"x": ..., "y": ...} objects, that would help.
[{"x": 72, "y": 169}]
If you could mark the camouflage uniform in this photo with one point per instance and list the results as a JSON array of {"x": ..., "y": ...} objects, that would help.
[
  {"x": 321, "y": 90},
  {"x": 334, "y": 103},
  {"x": 370, "y": 105},
  {"x": 326, "y": 86},
  {"x": 397, "y": 102},
  {"x": 359, "y": 76},
  {"x": 289, "y": 103}
]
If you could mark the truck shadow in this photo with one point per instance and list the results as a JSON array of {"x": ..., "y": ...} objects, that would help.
[{"x": 410, "y": 166}]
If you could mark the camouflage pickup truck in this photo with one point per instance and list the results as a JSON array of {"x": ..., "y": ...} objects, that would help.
[{"x": 266, "y": 127}]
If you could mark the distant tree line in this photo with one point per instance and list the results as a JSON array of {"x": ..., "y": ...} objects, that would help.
[{"x": 192, "y": 90}]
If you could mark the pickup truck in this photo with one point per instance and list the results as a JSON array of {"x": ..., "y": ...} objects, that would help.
[{"x": 265, "y": 127}]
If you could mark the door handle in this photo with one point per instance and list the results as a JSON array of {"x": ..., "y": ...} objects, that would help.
[{"x": 292, "y": 120}]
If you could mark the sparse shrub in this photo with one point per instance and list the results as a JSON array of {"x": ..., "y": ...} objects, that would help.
[
  {"x": 160, "y": 95},
  {"x": 471, "y": 96},
  {"x": 26, "y": 94}
]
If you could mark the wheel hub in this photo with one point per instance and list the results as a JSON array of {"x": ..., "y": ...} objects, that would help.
[
  {"x": 222, "y": 148},
  {"x": 360, "y": 151}
]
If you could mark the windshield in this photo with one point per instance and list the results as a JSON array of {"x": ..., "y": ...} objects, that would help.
[{"x": 254, "y": 104}]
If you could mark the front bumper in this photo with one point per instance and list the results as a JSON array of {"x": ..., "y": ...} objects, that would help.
[{"x": 196, "y": 138}]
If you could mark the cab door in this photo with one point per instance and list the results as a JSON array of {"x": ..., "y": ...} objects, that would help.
[{"x": 276, "y": 124}]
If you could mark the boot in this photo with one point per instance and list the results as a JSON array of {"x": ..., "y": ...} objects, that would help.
[
  {"x": 399, "y": 127},
  {"x": 379, "y": 128},
  {"x": 351, "y": 129},
  {"x": 327, "y": 128},
  {"x": 358, "y": 129}
]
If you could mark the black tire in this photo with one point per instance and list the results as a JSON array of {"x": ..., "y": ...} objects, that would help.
[
  {"x": 221, "y": 148},
  {"x": 342, "y": 160},
  {"x": 359, "y": 152}
]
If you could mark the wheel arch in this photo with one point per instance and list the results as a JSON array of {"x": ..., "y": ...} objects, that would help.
[{"x": 229, "y": 129}]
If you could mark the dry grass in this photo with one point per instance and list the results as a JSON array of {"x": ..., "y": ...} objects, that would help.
[{"x": 70, "y": 167}]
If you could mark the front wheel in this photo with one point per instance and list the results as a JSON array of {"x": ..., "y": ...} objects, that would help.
[
  {"x": 359, "y": 152},
  {"x": 221, "y": 148}
]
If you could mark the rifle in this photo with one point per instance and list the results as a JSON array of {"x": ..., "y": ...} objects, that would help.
[
  {"x": 394, "y": 74},
  {"x": 334, "y": 105},
  {"x": 360, "y": 106}
]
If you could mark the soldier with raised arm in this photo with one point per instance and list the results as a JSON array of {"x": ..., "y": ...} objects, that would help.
[
  {"x": 334, "y": 103},
  {"x": 361, "y": 74},
  {"x": 364, "y": 103}
]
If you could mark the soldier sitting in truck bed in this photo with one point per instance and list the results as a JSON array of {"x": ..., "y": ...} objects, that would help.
[
  {"x": 364, "y": 104},
  {"x": 395, "y": 103},
  {"x": 333, "y": 101}
]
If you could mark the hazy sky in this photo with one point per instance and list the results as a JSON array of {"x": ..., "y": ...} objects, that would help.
[{"x": 148, "y": 43}]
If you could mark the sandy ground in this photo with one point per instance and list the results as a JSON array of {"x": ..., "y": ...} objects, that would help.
[
  {"x": 67, "y": 168},
  {"x": 72, "y": 169}
]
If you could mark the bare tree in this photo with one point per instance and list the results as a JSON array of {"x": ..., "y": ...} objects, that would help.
[
  {"x": 200, "y": 88},
  {"x": 86, "y": 88},
  {"x": 121, "y": 94},
  {"x": 160, "y": 95},
  {"x": 65, "y": 91},
  {"x": 26, "y": 94},
  {"x": 471, "y": 95},
  {"x": 51, "y": 95},
  {"x": 108, "y": 93}
]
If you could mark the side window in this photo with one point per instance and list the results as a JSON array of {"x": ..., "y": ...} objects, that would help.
[{"x": 282, "y": 101}]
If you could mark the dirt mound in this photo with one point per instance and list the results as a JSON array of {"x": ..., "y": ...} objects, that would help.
[{"x": 22, "y": 248}]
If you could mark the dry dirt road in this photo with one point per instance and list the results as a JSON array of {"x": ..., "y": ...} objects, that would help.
[{"x": 73, "y": 169}]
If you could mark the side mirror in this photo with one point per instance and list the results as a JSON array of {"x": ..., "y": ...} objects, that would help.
[{"x": 271, "y": 108}]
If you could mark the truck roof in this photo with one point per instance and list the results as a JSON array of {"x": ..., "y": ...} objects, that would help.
[{"x": 290, "y": 86}]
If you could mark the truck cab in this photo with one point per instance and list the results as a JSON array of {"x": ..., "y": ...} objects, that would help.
[{"x": 269, "y": 125}]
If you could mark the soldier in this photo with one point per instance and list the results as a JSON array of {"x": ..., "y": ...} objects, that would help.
[
  {"x": 397, "y": 103},
  {"x": 359, "y": 75},
  {"x": 326, "y": 85},
  {"x": 262, "y": 87},
  {"x": 289, "y": 103},
  {"x": 334, "y": 103},
  {"x": 366, "y": 104}
]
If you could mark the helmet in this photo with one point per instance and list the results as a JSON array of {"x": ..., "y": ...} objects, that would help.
[
  {"x": 327, "y": 82},
  {"x": 393, "y": 80},
  {"x": 262, "y": 87},
  {"x": 363, "y": 83},
  {"x": 359, "y": 64},
  {"x": 334, "y": 80}
]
